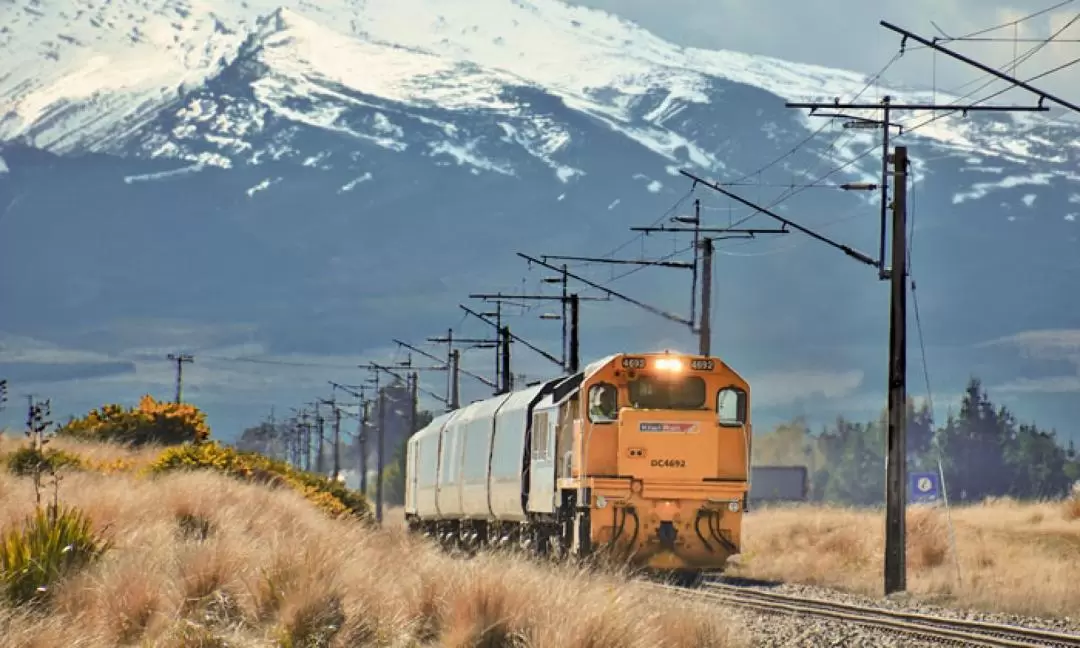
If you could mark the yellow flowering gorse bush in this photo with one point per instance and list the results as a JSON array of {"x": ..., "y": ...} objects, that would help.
[
  {"x": 149, "y": 422},
  {"x": 329, "y": 495}
]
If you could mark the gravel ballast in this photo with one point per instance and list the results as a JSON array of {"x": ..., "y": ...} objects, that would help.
[{"x": 792, "y": 629}]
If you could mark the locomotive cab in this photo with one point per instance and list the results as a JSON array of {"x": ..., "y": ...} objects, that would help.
[{"x": 662, "y": 456}]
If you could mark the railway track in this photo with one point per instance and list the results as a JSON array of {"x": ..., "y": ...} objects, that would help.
[{"x": 960, "y": 631}]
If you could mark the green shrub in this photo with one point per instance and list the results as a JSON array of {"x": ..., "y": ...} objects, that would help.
[
  {"x": 24, "y": 461},
  {"x": 53, "y": 542}
]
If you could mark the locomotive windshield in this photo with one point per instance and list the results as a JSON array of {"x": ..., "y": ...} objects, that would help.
[{"x": 666, "y": 392}]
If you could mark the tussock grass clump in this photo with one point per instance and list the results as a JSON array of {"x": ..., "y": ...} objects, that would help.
[
  {"x": 1012, "y": 556},
  {"x": 273, "y": 570},
  {"x": 51, "y": 543}
]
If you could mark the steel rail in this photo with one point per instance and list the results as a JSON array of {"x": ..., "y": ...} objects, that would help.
[{"x": 964, "y": 631}]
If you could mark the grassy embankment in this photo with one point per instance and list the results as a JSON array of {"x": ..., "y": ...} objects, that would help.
[
  {"x": 1015, "y": 557},
  {"x": 201, "y": 559}
]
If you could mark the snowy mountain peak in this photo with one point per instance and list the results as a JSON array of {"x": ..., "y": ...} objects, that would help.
[{"x": 92, "y": 74}]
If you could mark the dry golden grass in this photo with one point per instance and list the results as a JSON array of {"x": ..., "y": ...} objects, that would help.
[
  {"x": 203, "y": 560},
  {"x": 99, "y": 454},
  {"x": 1022, "y": 558}
]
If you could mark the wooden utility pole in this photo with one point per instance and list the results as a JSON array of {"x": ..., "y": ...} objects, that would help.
[
  {"x": 180, "y": 359},
  {"x": 362, "y": 441},
  {"x": 337, "y": 442},
  {"x": 705, "y": 330},
  {"x": 895, "y": 568},
  {"x": 896, "y": 464},
  {"x": 505, "y": 337},
  {"x": 319, "y": 441},
  {"x": 379, "y": 451},
  {"x": 453, "y": 367},
  {"x": 413, "y": 401},
  {"x": 702, "y": 248},
  {"x": 507, "y": 377},
  {"x": 574, "y": 363},
  {"x": 570, "y": 302},
  {"x": 454, "y": 400}
]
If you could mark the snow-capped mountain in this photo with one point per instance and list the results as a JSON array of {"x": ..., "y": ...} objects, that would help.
[{"x": 330, "y": 174}]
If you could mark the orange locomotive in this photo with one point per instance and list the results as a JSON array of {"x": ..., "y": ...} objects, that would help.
[{"x": 643, "y": 456}]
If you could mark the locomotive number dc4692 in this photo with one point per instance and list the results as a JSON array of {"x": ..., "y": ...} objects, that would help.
[{"x": 594, "y": 462}]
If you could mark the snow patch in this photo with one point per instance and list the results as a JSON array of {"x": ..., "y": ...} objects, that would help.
[
  {"x": 466, "y": 154},
  {"x": 564, "y": 173},
  {"x": 262, "y": 186},
  {"x": 350, "y": 185},
  {"x": 313, "y": 161},
  {"x": 3, "y": 166},
  {"x": 162, "y": 175},
  {"x": 1070, "y": 217},
  {"x": 1029, "y": 199}
]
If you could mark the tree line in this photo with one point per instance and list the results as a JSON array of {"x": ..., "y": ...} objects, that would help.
[{"x": 983, "y": 450}]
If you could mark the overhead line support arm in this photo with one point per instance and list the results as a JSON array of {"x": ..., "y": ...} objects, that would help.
[
  {"x": 512, "y": 336},
  {"x": 876, "y": 106},
  {"x": 432, "y": 357},
  {"x": 1043, "y": 95},
  {"x": 538, "y": 297},
  {"x": 644, "y": 262},
  {"x": 846, "y": 249},
  {"x": 631, "y": 300},
  {"x": 709, "y": 230}
]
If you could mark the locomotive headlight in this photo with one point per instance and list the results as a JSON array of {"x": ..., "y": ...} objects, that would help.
[
  {"x": 669, "y": 364},
  {"x": 601, "y": 501},
  {"x": 733, "y": 506}
]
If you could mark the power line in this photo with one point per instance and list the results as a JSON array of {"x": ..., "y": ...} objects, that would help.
[
  {"x": 1043, "y": 95},
  {"x": 870, "y": 82},
  {"x": 1011, "y": 23},
  {"x": 931, "y": 120}
]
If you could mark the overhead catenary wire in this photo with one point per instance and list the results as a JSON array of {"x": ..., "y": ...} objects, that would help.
[
  {"x": 907, "y": 130},
  {"x": 667, "y": 213},
  {"x": 792, "y": 189},
  {"x": 1011, "y": 23}
]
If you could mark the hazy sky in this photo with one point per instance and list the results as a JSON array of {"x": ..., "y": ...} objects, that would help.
[{"x": 846, "y": 34}]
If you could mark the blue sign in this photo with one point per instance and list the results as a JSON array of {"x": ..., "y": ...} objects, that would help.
[{"x": 923, "y": 487}]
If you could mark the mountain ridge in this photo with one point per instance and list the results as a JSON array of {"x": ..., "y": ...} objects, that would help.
[{"x": 321, "y": 208}]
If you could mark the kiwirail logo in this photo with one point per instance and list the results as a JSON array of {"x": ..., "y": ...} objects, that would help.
[{"x": 685, "y": 428}]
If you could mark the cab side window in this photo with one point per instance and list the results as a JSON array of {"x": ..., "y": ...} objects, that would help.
[
  {"x": 731, "y": 407},
  {"x": 603, "y": 403}
]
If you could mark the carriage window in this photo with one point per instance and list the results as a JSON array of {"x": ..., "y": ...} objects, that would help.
[
  {"x": 603, "y": 403},
  {"x": 731, "y": 406},
  {"x": 663, "y": 392},
  {"x": 540, "y": 432}
]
